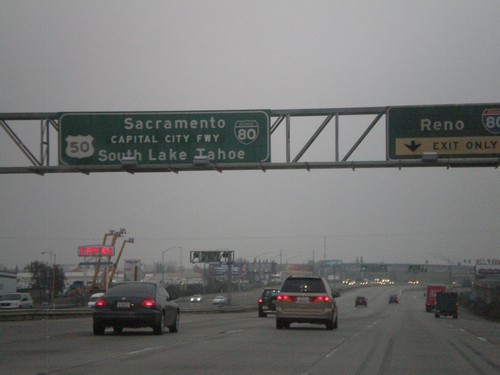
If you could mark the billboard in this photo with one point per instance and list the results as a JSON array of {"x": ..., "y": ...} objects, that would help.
[
  {"x": 133, "y": 270},
  {"x": 221, "y": 269},
  {"x": 488, "y": 271}
]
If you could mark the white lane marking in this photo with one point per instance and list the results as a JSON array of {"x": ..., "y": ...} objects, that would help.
[
  {"x": 331, "y": 353},
  {"x": 236, "y": 330},
  {"x": 377, "y": 322},
  {"x": 143, "y": 350},
  {"x": 482, "y": 338}
]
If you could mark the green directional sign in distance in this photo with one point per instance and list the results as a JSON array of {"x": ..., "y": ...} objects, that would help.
[
  {"x": 373, "y": 268},
  {"x": 449, "y": 131},
  {"x": 417, "y": 268},
  {"x": 164, "y": 137}
]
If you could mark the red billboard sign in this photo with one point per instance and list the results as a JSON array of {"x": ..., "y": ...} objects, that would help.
[{"x": 95, "y": 251}]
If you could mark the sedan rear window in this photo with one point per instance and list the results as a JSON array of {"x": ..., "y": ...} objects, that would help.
[
  {"x": 132, "y": 290},
  {"x": 303, "y": 285},
  {"x": 270, "y": 292}
]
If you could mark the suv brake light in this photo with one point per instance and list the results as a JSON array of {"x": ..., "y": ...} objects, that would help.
[
  {"x": 148, "y": 302},
  {"x": 286, "y": 298},
  {"x": 324, "y": 299}
]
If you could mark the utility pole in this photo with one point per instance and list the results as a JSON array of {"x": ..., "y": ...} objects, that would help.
[{"x": 324, "y": 247}]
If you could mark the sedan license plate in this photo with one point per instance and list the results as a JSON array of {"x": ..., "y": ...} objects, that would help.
[
  {"x": 123, "y": 305},
  {"x": 303, "y": 299}
]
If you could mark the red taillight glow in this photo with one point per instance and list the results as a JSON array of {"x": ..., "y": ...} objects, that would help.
[
  {"x": 324, "y": 299},
  {"x": 101, "y": 302},
  {"x": 287, "y": 298},
  {"x": 148, "y": 302},
  {"x": 260, "y": 300}
]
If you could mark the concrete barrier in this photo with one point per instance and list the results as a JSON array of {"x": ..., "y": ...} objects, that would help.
[{"x": 34, "y": 314}]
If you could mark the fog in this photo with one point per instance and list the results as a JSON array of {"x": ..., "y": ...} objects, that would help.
[{"x": 222, "y": 55}]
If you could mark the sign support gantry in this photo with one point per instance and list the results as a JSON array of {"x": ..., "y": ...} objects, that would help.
[{"x": 448, "y": 136}]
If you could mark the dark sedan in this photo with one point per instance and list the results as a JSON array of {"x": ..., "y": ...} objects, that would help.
[
  {"x": 267, "y": 301},
  {"x": 361, "y": 301},
  {"x": 394, "y": 298},
  {"x": 136, "y": 305}
]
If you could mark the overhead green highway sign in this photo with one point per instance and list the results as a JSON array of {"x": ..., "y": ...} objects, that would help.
[
  {"x": 417, "y": 268},
  {"x": 164, "y": 137},
  {"x": 447, "y": 131},
  {"x": 373, "y": 268}
]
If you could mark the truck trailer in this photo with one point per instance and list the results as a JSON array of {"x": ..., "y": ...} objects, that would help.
[{"x": 446, "y": 304}]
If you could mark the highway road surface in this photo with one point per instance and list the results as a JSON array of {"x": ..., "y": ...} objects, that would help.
[{"x": 382, "y": 338}]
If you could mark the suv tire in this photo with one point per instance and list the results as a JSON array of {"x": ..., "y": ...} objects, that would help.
[{"x": 279, "y": 323}]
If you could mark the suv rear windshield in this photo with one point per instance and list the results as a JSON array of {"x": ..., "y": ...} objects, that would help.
[{"x": 303, "y": 285}]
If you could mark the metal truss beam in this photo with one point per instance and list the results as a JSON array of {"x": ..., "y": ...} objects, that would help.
[{"x": 43, "y": 165}]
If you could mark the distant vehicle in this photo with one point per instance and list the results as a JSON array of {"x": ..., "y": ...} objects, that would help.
[
  {"x": 16, "y": 301},
  {"x": 134, "y": 305},
  {"x": 446, "y": 304},
  {"x": 393, "y": 298},
  {"x": 92, "y": 300},
  {"x": 267, "y": 302},
  {"x": 306, "y": 300},
  {"x": 430, "y": 300},
  {"x": 219, "y": 300},
  {"x": 361, "y": 301},
  {"x": 75, "y": 289},
  {"x": 196, "y": 298}
]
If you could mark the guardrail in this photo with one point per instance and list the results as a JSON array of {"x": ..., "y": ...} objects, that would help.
[{"x": 34, "y": 314}]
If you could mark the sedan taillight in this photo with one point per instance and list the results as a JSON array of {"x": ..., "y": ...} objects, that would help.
[
  {"x": 148, "y": 302},
  {"x": 101, "y": 302}
]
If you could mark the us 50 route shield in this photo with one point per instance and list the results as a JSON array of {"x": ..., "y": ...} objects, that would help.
[{"x": 164, "y": 137}]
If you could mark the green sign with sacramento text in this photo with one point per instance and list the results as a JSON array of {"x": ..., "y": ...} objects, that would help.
[{"x": 164, "y": 137}]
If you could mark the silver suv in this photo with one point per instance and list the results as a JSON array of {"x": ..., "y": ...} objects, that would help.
[{"x": 308, "y": 299}]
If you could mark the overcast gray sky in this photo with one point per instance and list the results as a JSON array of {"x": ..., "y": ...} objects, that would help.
[{"x": 125, "y": 55}]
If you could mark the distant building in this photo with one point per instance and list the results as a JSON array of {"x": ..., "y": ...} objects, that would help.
[{"x": 8, "y": 282}]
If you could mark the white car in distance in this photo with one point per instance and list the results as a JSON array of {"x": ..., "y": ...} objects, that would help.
[{"x": 219, "y": 300}]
